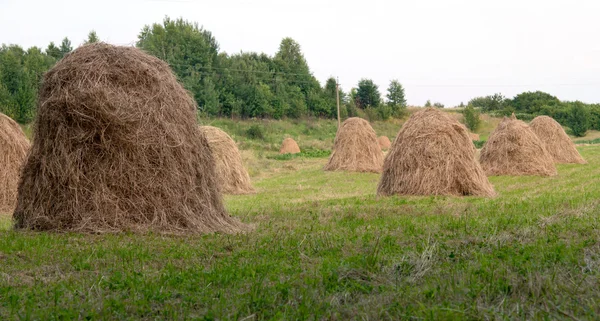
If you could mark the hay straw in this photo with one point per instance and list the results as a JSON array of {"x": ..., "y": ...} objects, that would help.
[
  {"x": 117, "y": 148},
  {"x": 355, "y": 148},
  {"x": 384, "y": 142},
  {"x": 13, "y": 151},
  {"x": 433, "y": 155},
  {"x": 557, "y": 142},
  {"x": 514, "y": 149},
  {"x": 289, "y": 146},
  {"x": 231, "y": 174}
]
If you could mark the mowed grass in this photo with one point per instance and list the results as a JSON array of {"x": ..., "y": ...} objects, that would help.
[{"x": 326, "y": 247}]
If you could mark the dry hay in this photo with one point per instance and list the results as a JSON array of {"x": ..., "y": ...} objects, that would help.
[
  {"x": 289, "y": 146},
  {"x": 557, "y": 142},
  {"x": 231, "y": 175},
  {"x": 13, "y": 151},
  {"x": 474, "y": 136},
  {"x": 514, "y": 149},
  {"x": 356, "y": 148},
  {"x": 433, "y": 155},
  {"x": 384, "y": 142},
  {"x": 116, "y": 148}
]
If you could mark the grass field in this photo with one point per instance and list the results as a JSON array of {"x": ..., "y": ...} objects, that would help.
[{"x": 325, "y": 247}]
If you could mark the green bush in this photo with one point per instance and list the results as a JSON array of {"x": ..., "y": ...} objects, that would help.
[
  {"x": 471, "y": 118},
  {"x": 255, "y": 132},
  {"x": 308, "y": 153},
  {"x": 479, "y": 143},
  {"x": 578, "y": 119}
]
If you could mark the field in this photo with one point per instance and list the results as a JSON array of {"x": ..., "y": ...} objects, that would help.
[{"x": 325, "y": 247}]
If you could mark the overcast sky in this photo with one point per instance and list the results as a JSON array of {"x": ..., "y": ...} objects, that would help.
[{"x": 444, "y": 50}]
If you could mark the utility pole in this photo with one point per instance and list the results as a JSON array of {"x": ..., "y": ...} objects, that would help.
[{"x": 337, "y": 93}]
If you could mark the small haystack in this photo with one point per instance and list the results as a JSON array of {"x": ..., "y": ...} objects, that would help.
[
  {"x": 556, "y": 141},
  {"x": 384, "y": 142},
  {"x": 474, "y": 136},
  {"x": 231, "y": 174},
  {"x": 117, "y": 148},
  {"x": 356, "y": 148},
  {"x": 289, "y": 146},
  {"x": 13, "y": 151},
  {"x": 433, "y": 155},
  {"x": 514, "y": 149}
]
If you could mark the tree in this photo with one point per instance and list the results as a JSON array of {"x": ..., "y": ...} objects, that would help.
[
  {"x": 438, "y": 105},
  {"x": 190, "y": 50},
  {"x": 395, "y": 98},
  {"x": 20, "y": 75},
  {"x": 578, "y": 119},
  {"x": 92, "y": 38},
  {"x": 428, "y": 103},
  {"x": 489, "y": 103},
  {"x": 367, "y": 94},
  {"x": 65, "y": 47},
  {"x": 290, "y": 62},
  {"x": 532, "y": 102},
  {"x": 53, "y": 51},
  {"x": 471, "y": 116},
  {"x": 330, "y": 95}
]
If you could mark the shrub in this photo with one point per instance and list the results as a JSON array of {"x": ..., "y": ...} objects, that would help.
[
  {"x": 578, "y": 119},
  {"x": 255, "y": 132},
  {"x": 471, "y": 118}
]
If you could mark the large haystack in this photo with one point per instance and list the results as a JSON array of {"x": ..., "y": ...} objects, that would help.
[
  {"x": 514, "y": 149},
  {"x": 231, "y": 174},
  {"x": 433, "y": 155},
  {"x": 384, "y": 142},
  {"x": 117, "y": 147},
  {"x": 556, "y": 141},
  {"x": 289, "y": 146},
  {"x": 13, "y": 151},
  {"x": 356, "y": 148}
]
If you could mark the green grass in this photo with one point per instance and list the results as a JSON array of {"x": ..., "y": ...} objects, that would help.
[
  {"x": 588, "y": 141},
  {"x": 326, "y": 247}
]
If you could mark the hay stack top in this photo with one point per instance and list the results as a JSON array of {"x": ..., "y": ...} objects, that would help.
[
  {"x": 289, "y": 146},
  {"x": 514, "y": 149},
  {"x": 13, "y": 151},
  {"x": 117, "y": 148},
  {"x": 433, "y": 155},
  {"x": 231, "y": 174},
  {"x": 356, "y": 148},
  {"x": 557, "y": 142},
  {"x": 384, "y": 142}
]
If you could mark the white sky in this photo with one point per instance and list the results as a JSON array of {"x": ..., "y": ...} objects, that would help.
[{"x": 443, "y": 50}]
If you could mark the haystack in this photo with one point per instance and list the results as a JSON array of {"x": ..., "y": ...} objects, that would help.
[
  {"x": 289, "y": 146},
  {"x": 556, "y": 141},
  {"x": 13, "y": 151},
  {"x": 384, "y": 142},
  {"x": 231, "y": 174},
  {"x": 356, "y": 148},
  {"x": 514, "y": 149},
  {"x": 117, "y": 147},
  {"x": 433, "y": 155},
  {"x": 474, "y": 136}
]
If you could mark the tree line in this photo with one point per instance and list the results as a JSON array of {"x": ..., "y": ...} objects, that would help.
[
  {"x": 576, "y": 115},
  {"x": 242, "y": 85}
]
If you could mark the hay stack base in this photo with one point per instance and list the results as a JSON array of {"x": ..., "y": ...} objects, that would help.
[
  {"x": 384, "y": 142},
  {"x": 289, "y": 146},
  {"x": 557, "y": 142},
  {"x": 356, "y": 148},
  {"x": 433, "y": 155},
  {"x": 117, "y": 148},
  {"x": 231, "y": 174},
  {"x": 514, "y": 149},
  {"x": 13, "y": 151}
]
